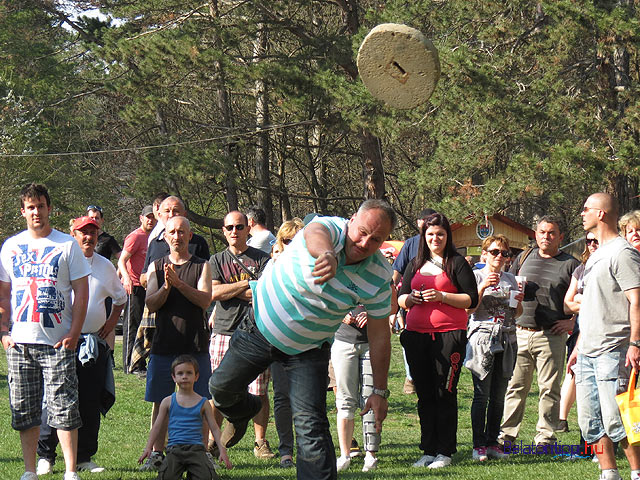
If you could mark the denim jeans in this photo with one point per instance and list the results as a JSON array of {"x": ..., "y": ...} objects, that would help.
[
  {"x": 249, "y": 354},
  {"x": 598, "y": 380},
  {"x": 282, "y": 409},
  {"x": 489, "y": 392}
]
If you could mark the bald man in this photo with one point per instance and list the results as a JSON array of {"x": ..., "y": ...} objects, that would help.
[
  {"x": 609, "y": 342},
  {"x": 178, "y": 292}
]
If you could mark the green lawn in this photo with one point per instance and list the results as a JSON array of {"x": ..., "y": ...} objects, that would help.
[{"x": 124, "y": 433}]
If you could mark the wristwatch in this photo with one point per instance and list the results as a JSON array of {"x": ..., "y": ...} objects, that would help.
[
  {"x": 635, "y": 343},
  {"x": 384, "y": 393}
]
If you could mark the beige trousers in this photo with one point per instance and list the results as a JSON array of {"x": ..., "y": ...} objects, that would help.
[{"x": 544, "y": 352}]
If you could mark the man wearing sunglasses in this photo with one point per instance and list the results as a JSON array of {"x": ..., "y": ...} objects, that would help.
[
  {"x": 541, "y": 333},
  {"x": 609, "y": 343},
  {"x": 232, "y": 269}
]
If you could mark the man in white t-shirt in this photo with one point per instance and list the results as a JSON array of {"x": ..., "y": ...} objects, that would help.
[
  {"x": 94, "y": 365},
  {"x": 609, "y": 342},
  {"x": 39, "y": 269},
  {"x": 261, "y": 237}
]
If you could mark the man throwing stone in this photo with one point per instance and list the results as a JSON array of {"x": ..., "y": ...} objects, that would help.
[
  {"x": 299, "y": 303},
  {"x": 609, "y": 342},
  {"x": 40, "y": 268}
]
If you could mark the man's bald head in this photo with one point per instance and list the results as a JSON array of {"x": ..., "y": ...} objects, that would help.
[
  {"x": 177, "y": 234},
  {"x": 606, "y": 203}
]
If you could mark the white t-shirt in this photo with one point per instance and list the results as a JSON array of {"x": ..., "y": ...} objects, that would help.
[
  {"x": 604, "y": 313},
  {"x": 262, "y": 241},
  {"x": 40, "y": 271},
  {"x": 103, "y": 283}
]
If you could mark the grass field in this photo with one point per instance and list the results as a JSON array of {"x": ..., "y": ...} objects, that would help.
[{"x": 124, "y": 433}]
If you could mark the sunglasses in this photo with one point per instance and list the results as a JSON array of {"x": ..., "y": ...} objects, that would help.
[
  {"x": 496, "y": 252},
  {"x": 287, "y": 241},
  {"x": 94, "y": 207},
  {"x": 238, "y": 227},
  {"x": 589, "y": 241}
]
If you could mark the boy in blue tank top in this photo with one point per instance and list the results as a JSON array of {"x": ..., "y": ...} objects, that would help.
[{"x": 184, "y": 412}]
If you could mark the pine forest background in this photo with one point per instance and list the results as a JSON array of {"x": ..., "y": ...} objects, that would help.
[{"x": 234, "y": 103}]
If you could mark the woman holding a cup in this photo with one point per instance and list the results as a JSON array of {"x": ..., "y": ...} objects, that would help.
[
  {"x": 436, "y": 289},
  {"x": 492, "y": 346}
]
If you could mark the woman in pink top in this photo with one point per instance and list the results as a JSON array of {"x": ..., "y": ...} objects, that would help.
[{"x": 437, "y": 287}]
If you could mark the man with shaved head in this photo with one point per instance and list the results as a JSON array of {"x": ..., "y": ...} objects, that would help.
[
  {"x": 178, "y": 292},
  {"x": 609, "y": 343},
  {"x": 170, "y": 207}
]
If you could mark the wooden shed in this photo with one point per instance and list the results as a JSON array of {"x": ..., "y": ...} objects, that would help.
[{"x": 468, "y": 237}]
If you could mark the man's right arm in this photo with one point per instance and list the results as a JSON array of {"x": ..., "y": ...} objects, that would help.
[
  {"x": 319, "y": 245},
  {"x": 156, "y": 296},
  {"x": 5, "y": 314},
  {"x": 122, "y": 267}
]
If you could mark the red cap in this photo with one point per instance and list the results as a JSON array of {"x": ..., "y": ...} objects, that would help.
[{"x": 80, "y": 222}]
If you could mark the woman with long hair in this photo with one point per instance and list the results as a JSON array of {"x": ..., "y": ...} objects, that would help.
[
  {"x": 436, "y": 289},
  {"x": 493, "y": 346}
]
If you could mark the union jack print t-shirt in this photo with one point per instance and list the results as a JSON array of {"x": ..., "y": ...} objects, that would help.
[{"x": 41, "y": 271}]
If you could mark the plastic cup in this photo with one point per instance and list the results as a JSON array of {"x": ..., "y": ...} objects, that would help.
[
  {"x": 513, "y": 303},
  {"x": 522, "y": 281}
]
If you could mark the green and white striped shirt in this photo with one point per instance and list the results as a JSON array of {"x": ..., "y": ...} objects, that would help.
[{"x": 295, "y": 315}]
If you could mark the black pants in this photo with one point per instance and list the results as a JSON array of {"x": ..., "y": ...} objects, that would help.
[
  {"x": 132, "y": 319},
  {"x": 90, "y": 386},
  {"x": 435, "y": 361}
]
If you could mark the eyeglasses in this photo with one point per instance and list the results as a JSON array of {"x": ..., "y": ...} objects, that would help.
[
  {"x": 589, "y": 241},
  {"x": 94, "y": 207},
  {"x": 238, "y": 227},
  {"x": 585, "y": 209},
  {"x": 496, "y": 252},
  {"x": 287, "y": 241}
]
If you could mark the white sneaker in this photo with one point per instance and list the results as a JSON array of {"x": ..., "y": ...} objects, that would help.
[
  {"x": 342, "y": 463},
  {"x": 440, "y": 461},
  {"x": 44, "y": 466},
  {"x": 424, "y": 460},
  {"x": 611, "y": 474},
  {"x": 370, "y": 463},
  {"x": 71, "y": 476},
  {"x": 479, "y": 454},
  {"x": 29, "y": 476},
  {"x": 90, "y": 466}
]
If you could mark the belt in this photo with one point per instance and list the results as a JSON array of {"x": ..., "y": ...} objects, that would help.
[{"x": 529, "y": 329}]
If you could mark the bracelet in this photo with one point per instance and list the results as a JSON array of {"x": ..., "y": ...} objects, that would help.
[
  {"x": 635, "y": 343},
  {"x": 4, "y": 334}
]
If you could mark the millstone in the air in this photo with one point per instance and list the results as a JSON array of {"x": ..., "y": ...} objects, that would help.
[{"x": 398, "y": 65}]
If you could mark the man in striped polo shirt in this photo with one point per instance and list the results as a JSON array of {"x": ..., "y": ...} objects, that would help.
[{"x": 299, "y": 303}]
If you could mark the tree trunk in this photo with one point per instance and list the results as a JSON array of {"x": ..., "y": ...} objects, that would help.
[
  {"x": 372, "y": 161},
  {"x": 262, "y": 139}
]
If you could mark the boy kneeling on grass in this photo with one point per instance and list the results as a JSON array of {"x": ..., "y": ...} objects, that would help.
[{"x": 184, "y": 410}]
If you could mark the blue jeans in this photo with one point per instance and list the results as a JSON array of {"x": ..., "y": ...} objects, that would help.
[
  {"x": 249, "y": 354},
  {"x": 598, "y": 380},
  {"x": 488, "y": 404},
  {"x": 282, "y": 409}
]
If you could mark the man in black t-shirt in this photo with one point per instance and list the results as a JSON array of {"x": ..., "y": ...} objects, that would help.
[
  {"x": 542, "y": 334},
  {"x": 107, "y": 245},
  {"x": 231, "y": 270}
]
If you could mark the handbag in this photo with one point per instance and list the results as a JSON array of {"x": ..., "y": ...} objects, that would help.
[{"x": 629, "y": 404}]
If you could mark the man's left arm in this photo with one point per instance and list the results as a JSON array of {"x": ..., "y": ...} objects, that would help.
[
  {"x": 380, "y": 353},
  {"x": 80, "y": 289},
  {"x": 119, "y": 295},
  {"x": 633, "y": 353}
]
